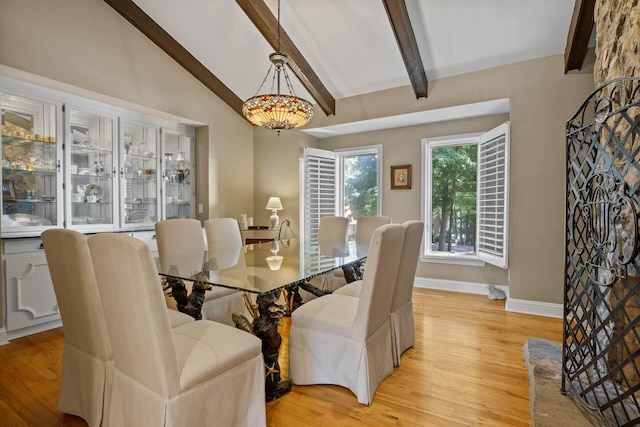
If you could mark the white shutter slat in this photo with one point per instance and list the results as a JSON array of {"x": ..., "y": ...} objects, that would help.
[
  {"x": 493, "y": 170},
  {"x": 320, "y": 188}
]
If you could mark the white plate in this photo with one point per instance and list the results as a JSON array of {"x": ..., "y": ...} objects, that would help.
[{"x": 95, "y": 190}]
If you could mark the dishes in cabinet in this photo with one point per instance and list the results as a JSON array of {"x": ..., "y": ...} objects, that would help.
[
  {"x": 48, "y": 198},
  {"x": 23, "y": 220},
  {"x": 140, "y": 215},
  {"x": 94, "y": 190},
  {"x": 132, "y": 201}
]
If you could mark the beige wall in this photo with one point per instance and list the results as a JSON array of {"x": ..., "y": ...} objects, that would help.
[
  {"x": 542, "y": 98},
  {"x": 86, "y": 44}
]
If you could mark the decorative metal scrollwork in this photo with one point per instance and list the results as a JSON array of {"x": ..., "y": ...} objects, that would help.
[{"x": 607, "y": 213}]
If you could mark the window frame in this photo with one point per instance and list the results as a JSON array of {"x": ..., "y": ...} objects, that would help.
[
  {"x": 479, "y": 139},
  {"x": 427, "y": 145}
]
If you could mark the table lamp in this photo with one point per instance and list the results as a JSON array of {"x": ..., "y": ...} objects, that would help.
[{"x": 274, "y": 205}]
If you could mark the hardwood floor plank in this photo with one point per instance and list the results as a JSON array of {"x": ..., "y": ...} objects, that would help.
[{"x": 466, "y": 369}]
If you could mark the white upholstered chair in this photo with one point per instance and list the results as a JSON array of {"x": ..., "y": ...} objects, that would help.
[
  {"x": 333, "y": 228},
  {"x": 200, "y": 373},
  {"x": 337, "y": 339},
  {"x": 401, "y": 314},
  {"x": 365, "y": 226},
  {"x": 222, "y": 233},
  {"x": 87, "y": 361},
  {"x": 183, "y": 236}
]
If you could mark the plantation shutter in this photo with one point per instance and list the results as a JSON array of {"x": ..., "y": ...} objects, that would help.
[
  {"x": 319, "y": 188},
  {"x": 493, "y": 190}
]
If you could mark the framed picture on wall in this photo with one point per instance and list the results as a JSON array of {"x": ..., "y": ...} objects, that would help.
[
  {"x": 8, "y": 190},
  {"x": 401, "y": 177}
]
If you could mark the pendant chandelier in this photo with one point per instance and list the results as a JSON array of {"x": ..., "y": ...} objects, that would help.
[{"x": 277, "y": 111}]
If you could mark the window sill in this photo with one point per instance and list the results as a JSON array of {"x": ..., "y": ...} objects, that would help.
[{"x": 452, "y": 260}]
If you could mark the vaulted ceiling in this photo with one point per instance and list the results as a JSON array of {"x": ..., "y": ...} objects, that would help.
[{"x": 342, "y": 48}]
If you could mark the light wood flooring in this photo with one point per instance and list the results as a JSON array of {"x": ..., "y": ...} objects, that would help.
[{"x": 466, "y": 369}]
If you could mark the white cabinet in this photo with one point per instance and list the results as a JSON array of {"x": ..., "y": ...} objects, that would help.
[
  {"x": 74, "y": 163},
  {"x": 30, "y": 298}
]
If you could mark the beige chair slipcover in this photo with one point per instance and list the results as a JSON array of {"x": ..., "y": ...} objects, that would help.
[
  {"x": 365, "y": 226},
  {"x": 402, "y": 324},
  {"x": 333, "y": 228},
  {"x": 202, "y": 373},
  {"x": 330, "y": 229},
  {"x": 87, "y": 361},
  {"x": 183, "y": 236},
  {"x": 337, "y": 339}
]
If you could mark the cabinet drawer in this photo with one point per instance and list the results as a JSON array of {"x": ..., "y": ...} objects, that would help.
[{"x": 22, "y": 245}]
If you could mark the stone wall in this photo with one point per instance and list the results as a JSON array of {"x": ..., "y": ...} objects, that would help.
[
  {"x": 618, "y": 55},
  {"x": 617, "y": 40}
]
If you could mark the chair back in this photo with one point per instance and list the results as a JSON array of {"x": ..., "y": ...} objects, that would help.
[
  {"x": 135, "y": 312},
  {"x": 333, "y": 228},
  {"x": 74, "y": 283},
  {"x": 179, "y": 236},
  {"x": 366, "y": 225},
  {"x": 408, "y": 262},
  {"x": 223, "y": 233},
  {"x": 379, "y": 278}
]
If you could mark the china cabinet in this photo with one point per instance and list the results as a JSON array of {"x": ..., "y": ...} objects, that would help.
[
  {"x": 178, "y": 191},
  {"x": 76, "y": 163},
  {"x": 138, "y": 172},
  {"x": 90, "y": 178},
  {"x": 31, "y": 164}
]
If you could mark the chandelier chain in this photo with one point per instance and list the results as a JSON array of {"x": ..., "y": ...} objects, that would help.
[{"x": 264, "y": 80}]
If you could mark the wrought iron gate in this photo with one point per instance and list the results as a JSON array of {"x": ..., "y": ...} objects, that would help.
[{"x": 602, "y": 268}]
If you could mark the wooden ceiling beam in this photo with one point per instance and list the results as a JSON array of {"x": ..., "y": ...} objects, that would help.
[
  {"x": 147, "y": 26},
  {"x": 579, "y": 34},
  {"x": 402, "y": 29},
  {"x": 259, "y": 13}
]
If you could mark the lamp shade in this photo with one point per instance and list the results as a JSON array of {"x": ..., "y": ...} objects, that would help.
[{"x": 274, "y": 204}]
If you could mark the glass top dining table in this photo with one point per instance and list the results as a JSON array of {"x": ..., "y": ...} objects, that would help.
[
  {"x": 262, "y": 267},
  {"x": 269, "y": 270}
]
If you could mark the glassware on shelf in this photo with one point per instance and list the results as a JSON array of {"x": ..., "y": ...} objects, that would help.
[
  {"x": 29, "y": 158},
  {"x": 92, "y": 160}
]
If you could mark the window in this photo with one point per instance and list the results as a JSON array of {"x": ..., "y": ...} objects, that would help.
[
  {"x": 342, "y": 182},
  {"x": 465, "y": 204},
  {"x": 359, "y": 181}
]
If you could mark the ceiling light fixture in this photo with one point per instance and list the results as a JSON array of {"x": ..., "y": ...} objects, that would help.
[{"x": 277, "y": 111}]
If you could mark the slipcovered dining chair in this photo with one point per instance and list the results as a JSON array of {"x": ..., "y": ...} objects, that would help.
[
  {"x": 330, "y": 229},
  {"x": 201, "y": 373},
  {"x": 337, "y": 339},
  {"x": 333, "y": 228},
  {"x": 87, "y": 360},
  {"x": 184, "y": 236},
  {"x": 401, "y": 315},
  {"x": 365, "y": 226}
]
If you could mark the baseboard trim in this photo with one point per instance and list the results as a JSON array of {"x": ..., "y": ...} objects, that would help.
[
  {"x": 456, "y": 286},
  {"x": 538, "y": 308},
  {"x": 3, "y": 336},
  {"x": 34, "y": 329}
]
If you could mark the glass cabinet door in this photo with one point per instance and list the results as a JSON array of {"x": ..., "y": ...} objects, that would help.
[
  {"x": 31, "y": 189},
  {"x": 91, "y": 198},
  {"x": 139, "y": 165},
  {"x": 178, "y": 175}
]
